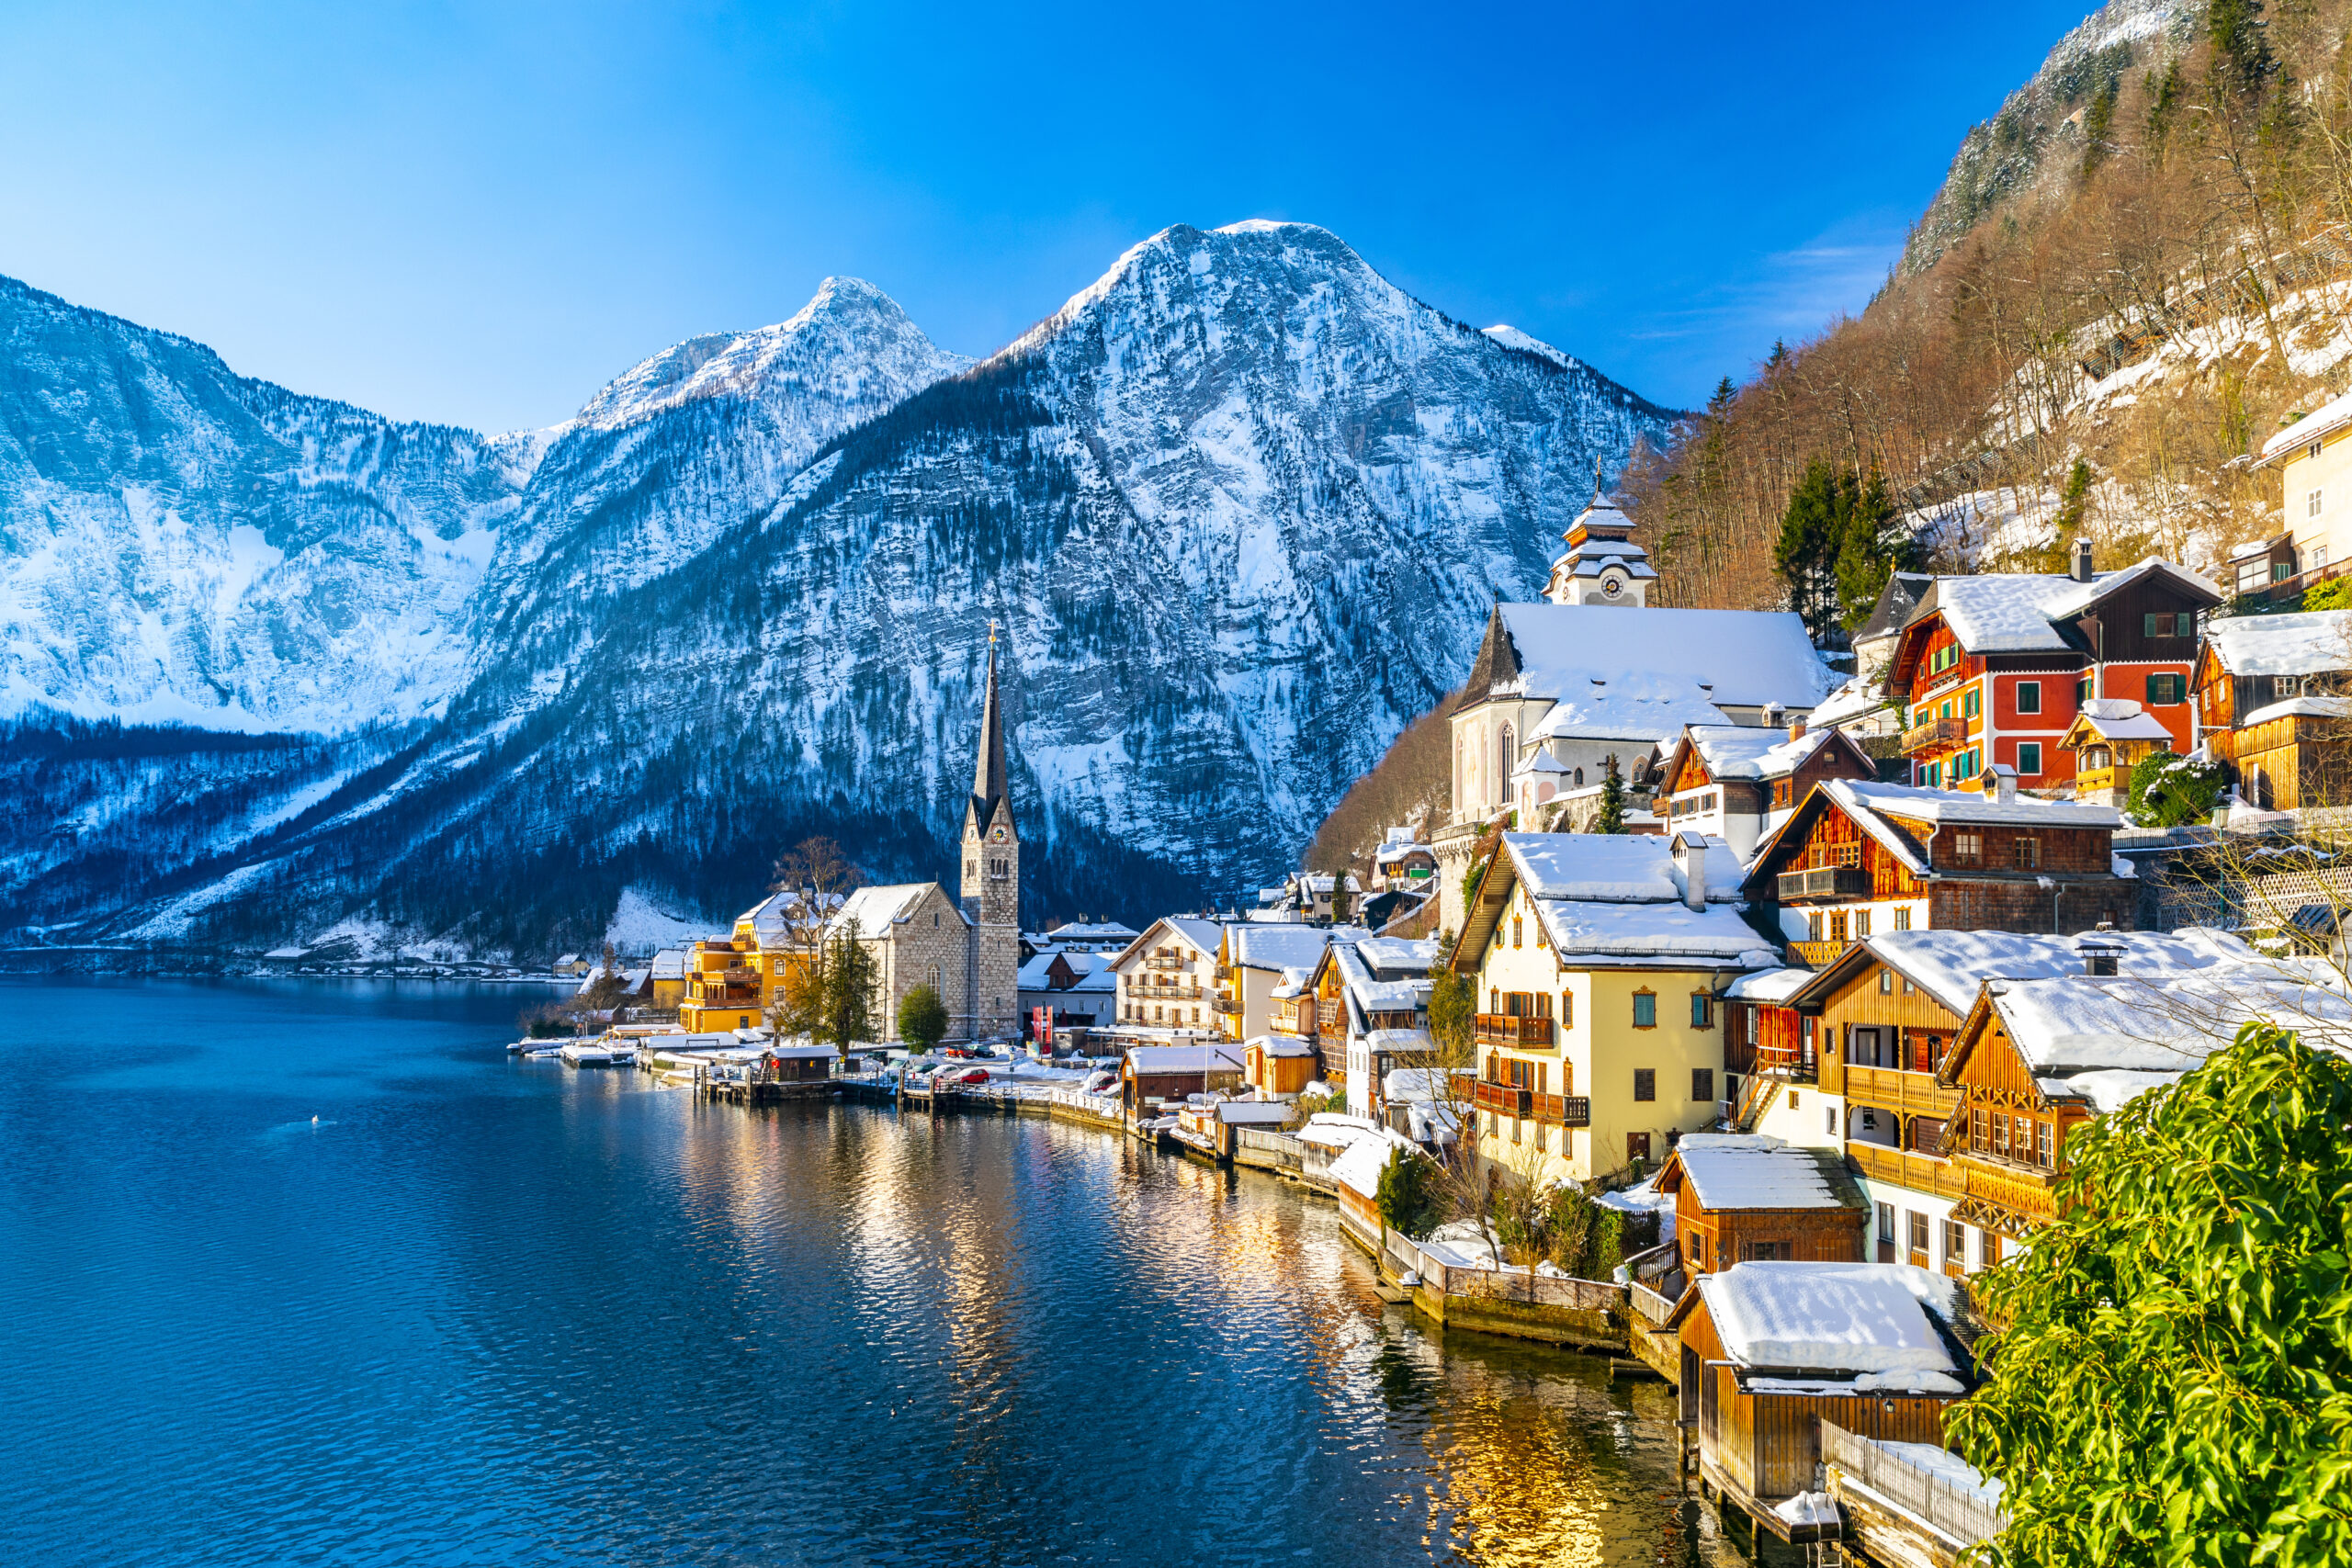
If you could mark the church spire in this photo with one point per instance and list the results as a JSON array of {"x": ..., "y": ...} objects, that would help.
[{"x": 987, "y": 773}]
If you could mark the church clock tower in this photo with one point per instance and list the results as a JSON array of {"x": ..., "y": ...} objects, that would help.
[{"x": 992, "y": 878}]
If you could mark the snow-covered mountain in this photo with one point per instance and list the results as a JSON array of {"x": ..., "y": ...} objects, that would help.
[
  {"x": 1239, "y": 507},
  {"x": 178, "y": 543}
]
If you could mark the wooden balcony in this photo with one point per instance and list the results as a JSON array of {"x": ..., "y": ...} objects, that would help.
[
  {"x": 1229, "y": 1006},
  {"x": 1505, "y": 1099},
  {"x": 1824, "y": 882},
  {"x": 1563, "y": 1110},
  {"x": 1503, "y": 1028},
  {"x": 1817, "y": 955},
  {"x": 1165, "y": 961},
  {"x": 722, "y": 996},
  {"x": 1907, "y": 1094},
  {"x": 1327, "y": 1012},
  {"x": 1935, "y": 738},
  {"x": 2022, "y": 1190},
  {"x": 1901, "y": 1167}
]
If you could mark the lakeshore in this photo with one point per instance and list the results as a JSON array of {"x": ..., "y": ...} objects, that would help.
[{"x": 501, "y": 1311}]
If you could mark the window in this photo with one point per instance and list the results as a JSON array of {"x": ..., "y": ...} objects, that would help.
[
  {"x": 1838, "y": 925},
  {"x": 2082, "y": 691},
  {"x": 1779, "y": 794},
  {"x": 1813, "y": 925},
  {"x": 1992, "y": 1245},
  {"x": 1703, "y": 1016},
  {"x": 1846, "y": 854},
  {"x": 1886, "y": 1223},
  {"x": 1644, "y": 1010},
  {"x": 1918, "y": 1228},
  {"x": 1972, "y": 704},
  {"x": 1955, "y": 1243},
  {"x": 1967, "y": 849},
  {"x": 2045, "y": 1145},
  {"x": 1886, "y": 979},
  {"x": 1514, "y": 931},
  {"x": 1828, "y": 1117},
  {"x": 1645, "y": 1083},
  {"x": 1698, "y": 1248},
  {"x": 2313, "y": 450},
  {"x": 2312, "y": 505},
  {"x": 2250, "y": 577},
  {"x": 1944, "y": 712},
  {"x": 1902, "y": 919},
  {"x": 2029, "y": 759},
  {"x": 2281, "y": 571},
  {"x": 2164, "y": 690},
  {"x": 1637, "y": 1146},
  {"x": 1768, "y": 1251},
  {"x": 1567, "y": 1011},
  {"x": 2163, "y": 623},
  {"x": 1702, "y": 1083},
  {"x": 2318, "y": 559},
  {"x": 1861, "y": 924},
  {"x": 2282, "y": 686},
  {"x": 2029, "y": 697},
  {"x": 2001, "y": 1132},
  {"x": 1979, "y": 1138},
  {"x": 2026, "y": 852}
]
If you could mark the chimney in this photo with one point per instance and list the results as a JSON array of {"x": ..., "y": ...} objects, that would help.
[
  {"x": 1773, "y": 711},
  {"x": 1694, "y": 869},
  {"x": 1796, "y": 727},
  {"x": 2100, "y": 947},
  {"x": 2082, "y": 571},
  {"x": 2001, "y": 783}
]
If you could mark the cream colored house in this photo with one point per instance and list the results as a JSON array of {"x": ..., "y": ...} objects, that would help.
[
  {"x": 1166, "y": 986},
  {"x": 1261, "y": 957},
  {"x": 1599, "y": 962},
  {"x": 2313, "y": 457}
]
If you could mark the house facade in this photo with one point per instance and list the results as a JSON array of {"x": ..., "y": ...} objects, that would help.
[
  {"x": 2314, "y": 460},
  {"x": 2270, "y": 704},
  {"x": 1598, "y": 961},
  {"x": 1993, "y": 669},
  {"x": 1857, "y": 859},
  {"x": 1738, "y": 782},
  {"x": 1752, "y": 1198},
  {"x": 1165, "y": 987}
]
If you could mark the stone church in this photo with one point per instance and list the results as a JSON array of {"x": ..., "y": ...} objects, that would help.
[{"x": 968, "y": 950}]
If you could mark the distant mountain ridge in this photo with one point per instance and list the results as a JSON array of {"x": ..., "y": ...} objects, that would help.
[{"x": 1239, "y": 506}]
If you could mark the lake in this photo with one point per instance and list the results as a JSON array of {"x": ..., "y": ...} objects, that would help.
[{"x": 314, "y": 1272}]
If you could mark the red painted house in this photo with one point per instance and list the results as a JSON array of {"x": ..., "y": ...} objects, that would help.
[{"x": 1993, "y": 669}]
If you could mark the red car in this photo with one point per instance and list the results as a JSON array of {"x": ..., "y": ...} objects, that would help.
[{"x": 976, "y": 1075}]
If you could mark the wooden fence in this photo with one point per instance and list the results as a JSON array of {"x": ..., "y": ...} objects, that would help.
[
  {"x": 1490, "y": 1284},
  {"x": 1962, "y": 1516},
  {"x": 1268, "y": 1149}
]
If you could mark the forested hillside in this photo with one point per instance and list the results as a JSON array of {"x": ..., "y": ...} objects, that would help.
[{"x": 2140, "y": 263}]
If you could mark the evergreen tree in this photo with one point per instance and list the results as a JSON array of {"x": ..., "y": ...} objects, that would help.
[
  {"x": 1612, "y": 819},
  {"x": 1813, "y": 533},
  {"x": 922, "y": 1018},
  {"x": 848, "y": 990},
  {"x": 1876, "y": 546}
]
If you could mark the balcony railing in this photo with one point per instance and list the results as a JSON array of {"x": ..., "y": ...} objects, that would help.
[
  {"x": 1503, "y": 1028},
  {"x": 1165, "y": 961},
  {"x": 1504, "y": 1098},
  {"x": 1937, "y": 735},
  {"x": 1901, "y": 1167},
  {"x": 1824, "y": 882},
  {"x": 1563, "y": 1109},
  {"x": 1231, "y": 1006},
  {"x": 1817, "y": 955},
  {"x": 1906, "y": 1093},
  {"x": 724, "y": 996},
  {"x": 1327, "y": 1012},
  {"x": 1221, "y": 972}
]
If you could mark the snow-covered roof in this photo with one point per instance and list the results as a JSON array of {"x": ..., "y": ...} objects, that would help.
[
  {"x": 1203, "y": 936},
  {"x": 1852, "y": 701},
  {"x": 1400, "y": 1040},
  {"x": 1747, "y": 751},
  {"x": 1591, "y": 934},
  {"x": 1770, "y": 986},
  {"x": 1414, "y": 1083},
  {"x": 1358, "y": 1166},
  {"x": 1332, "y": 1130},
  {"x": 1390, "y": 995},
  {"x": 670, "y": 964},
  {"x": 1753, "y": 1170},
  {"x": 2002, "y": 612},
  {"x": 1281, "y": 1044},
  {"x": 876, "y": 909},
  {"x": 1629, "y": 868},
  {"x": 1609, "y": 681},
  {"x": 1253, "y": 1112},
  {"x": 2109, "y": 1089},
  {"x": 1868, "y": 802},
  {"x": 2082, "y": 1022},
  {"x": 1395, "y": 851},
  {"x": 2324, "y": 421},
  {"x": 1950, "y": 965},
  {"x": 2121, "y": 718},
  {"x": 1096, "y": 931},
  {"x": 2084, "y": 595},
  {"x": 1148, "y": 1060},
  {"x": 1287, "y": 946},
  {"x": 1398, "y": 953},
  {"x": 1847, "y": 1320},
  {"x": 2304, "y": 643},
  {"x": 2301, "y": 707}
]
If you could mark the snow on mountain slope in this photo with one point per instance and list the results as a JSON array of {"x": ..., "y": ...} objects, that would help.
[
  {"x": 179, "y": 543},
  {"x": 695, "y": 439},
  {"x": 1239, "y": 508}
]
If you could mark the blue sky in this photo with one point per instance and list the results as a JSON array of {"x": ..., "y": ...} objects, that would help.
[{"x": 480, "y": 213}]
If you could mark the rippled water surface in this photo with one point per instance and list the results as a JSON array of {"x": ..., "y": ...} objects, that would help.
[{"x": 483, "y": 1310}]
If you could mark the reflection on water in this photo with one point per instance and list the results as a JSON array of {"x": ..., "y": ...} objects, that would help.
[{"x": 483, "y": 1310}]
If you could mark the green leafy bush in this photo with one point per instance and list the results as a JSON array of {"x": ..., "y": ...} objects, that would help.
[
  {"x": 2172, "y": 1384},
  {"x": 2170, "y": 791},
  {"x": 1407, "y": 1195}
]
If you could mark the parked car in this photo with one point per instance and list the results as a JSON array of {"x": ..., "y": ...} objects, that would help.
[{"x": 970, "y": 1074}]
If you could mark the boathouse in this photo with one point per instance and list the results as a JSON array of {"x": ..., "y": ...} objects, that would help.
[{"x": 1751, "y": 1198}]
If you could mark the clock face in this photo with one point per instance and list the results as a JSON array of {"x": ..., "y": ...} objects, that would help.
[
  {"x": 998, "y": 835},
  {"x": 1611, "y": 587}
]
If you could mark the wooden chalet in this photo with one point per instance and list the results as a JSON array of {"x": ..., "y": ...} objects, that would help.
[
  {"x": 1749, "y": 1198},
  {"x": 1858, "y": 858},
  {"x": 2109, "y": 737},
  {"x": 1172, "y": 1072},
  {"x": 1772, "y": 1350},
  {"x": 1993, "y": 668},
  {"x": 2270, "y": 704},
  {"x": 1739, "y": 781}
]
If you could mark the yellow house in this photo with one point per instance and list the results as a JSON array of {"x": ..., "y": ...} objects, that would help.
[
  {"x": 2313, "y": 456},
  {"x": 726, "y": 988},
  {"x": 2109, "y": 737},
  {"x": 669, "y": 977},
  {"x": 1598, "y": 961}
]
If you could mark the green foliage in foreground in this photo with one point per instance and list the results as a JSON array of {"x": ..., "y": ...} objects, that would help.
[
  {"x": 1407, "y": 1195},
  {"x": 922, "y": 1018},
  {"x": 2174, "y": 1384}
]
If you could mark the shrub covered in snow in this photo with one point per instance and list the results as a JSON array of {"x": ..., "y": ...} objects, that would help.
[{"x": 2172, "y": 791}]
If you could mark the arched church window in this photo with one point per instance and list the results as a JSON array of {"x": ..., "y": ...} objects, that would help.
[{"x": 1510, "y": 755}]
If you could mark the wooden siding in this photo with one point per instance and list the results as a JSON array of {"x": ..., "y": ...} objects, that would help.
[
  {"x": 1834, "y": 834},
  {"x": 1717, "y": 1238}
]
